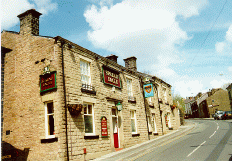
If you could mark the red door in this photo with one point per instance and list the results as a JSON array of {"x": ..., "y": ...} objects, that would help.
[{"x": 115, "y": 129}]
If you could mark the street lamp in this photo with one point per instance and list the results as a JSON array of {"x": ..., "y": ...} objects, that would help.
[{"x": 119, "y": 106}]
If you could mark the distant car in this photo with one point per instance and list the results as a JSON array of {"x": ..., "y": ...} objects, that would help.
[
  {"x": 186, "y": 117},
  {"x": 219, "y": 115},
  {"x": 227, "y": 115}
]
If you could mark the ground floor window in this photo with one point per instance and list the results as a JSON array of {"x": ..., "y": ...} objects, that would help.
[
  {"x": 133, "y": 121},
  {"x": 149, "y": 124},
  {"x": 154, "y": 123},
  {"x": 49, "y": 120},
  {"x": 88, "y": 119}
]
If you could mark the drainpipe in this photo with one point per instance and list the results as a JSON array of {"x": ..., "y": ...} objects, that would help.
[
  {"x": 144, "y": 99},
  {"x": 159, "y": 109},
  {"x": 65, "y": 102}
]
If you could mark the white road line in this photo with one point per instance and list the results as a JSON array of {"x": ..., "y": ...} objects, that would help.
[
  {"x": 213, "y": 134},
  {"x": 196, "y": 148},
  {"x": 217, "y": 127}
]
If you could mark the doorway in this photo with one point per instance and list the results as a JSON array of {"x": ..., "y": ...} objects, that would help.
[{"x": 115, "y": 127}]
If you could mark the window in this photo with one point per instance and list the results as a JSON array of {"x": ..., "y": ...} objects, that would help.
[
  {"x": 133, "y": 121},
  {"x": 85, "y": 72},
  {"x": 49, "y": 120},
  {"x": 149, "y": 124},
  {"x": 88, "y": 118},
  {"x": 129, "y": 87},
  {"x": 165, "y": 94},
  {"x": 154, "y": 124}
]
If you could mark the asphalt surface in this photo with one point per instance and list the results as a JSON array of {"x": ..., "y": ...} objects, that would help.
[{"x": 199, "y": 139}]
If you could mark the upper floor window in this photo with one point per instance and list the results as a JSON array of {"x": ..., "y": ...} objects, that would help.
[
  {"x": 129, "y": 87},
  {"x": 165, "y": 94},
  {"x": 85, "y": 72}
]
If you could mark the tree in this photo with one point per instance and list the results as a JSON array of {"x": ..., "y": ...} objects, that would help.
[{"x": 178, "y": 101}]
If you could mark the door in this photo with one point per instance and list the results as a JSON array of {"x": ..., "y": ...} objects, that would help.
[{"x": 115, "y": 127}]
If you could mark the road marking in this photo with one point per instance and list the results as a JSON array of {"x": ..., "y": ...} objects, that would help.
[
  {"x": 196, "y": 148},
  {"x": 217, "y": 127},
  {"x": 213, "y": 134}
]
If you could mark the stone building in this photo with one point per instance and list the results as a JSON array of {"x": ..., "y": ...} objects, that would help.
[
  {"x": 229, "y": 89},
  {"x": 64, "y": 102}
]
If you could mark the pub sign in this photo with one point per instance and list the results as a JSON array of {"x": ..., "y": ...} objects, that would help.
[
  {"x": 104, "y": 131},
  {"x": 148, "y": 90},
  {"x": 48, "y": 81},
  {"x": 111, "y": 77}
]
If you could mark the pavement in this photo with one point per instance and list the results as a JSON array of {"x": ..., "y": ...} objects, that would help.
[{"x": 138, "y": 149}]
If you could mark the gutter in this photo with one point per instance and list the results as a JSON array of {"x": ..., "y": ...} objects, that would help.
[{"x": 65, "y": 102}]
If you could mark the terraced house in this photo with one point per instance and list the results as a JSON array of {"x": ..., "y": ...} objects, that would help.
[{"x": 64, "y": 102}]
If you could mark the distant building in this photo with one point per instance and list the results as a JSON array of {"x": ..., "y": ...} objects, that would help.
[
  {"x": 64, "y": 102},
  {"x": 229, "y": 89},
  {"x": 188, "y": 106}
]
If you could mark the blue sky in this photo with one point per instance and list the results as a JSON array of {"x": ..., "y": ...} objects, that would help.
[{"x": 169, "y": 37}]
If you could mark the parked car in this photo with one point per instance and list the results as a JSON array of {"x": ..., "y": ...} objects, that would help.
[
  {"x": 219, "y": 115},
  {"x": 227, "y": 115}
]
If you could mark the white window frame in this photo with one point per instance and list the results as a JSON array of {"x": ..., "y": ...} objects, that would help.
[
  {"x": 149, "y": 124},
  {"x": 165, "y": 94},
  {"x": 93, "y": 124},
  {"x": 88, "y": 75},
  {"x": 129, "y": 87},
  {"x": 47, "y": 135},
  {"x": 154, "y": 124},
  {"x": 134, "y": 118}
]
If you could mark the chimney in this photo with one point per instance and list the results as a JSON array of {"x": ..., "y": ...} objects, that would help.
[
  {"x": 29, "y": 22},
  {"x": 130, "y": 63},
  {"x": 112, "y": 57}
]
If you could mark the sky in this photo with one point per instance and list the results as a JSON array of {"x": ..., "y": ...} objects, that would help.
[{"x": 187, "y": 43}]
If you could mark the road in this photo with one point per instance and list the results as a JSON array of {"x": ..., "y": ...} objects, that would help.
[{"x": 211, "y": 140}]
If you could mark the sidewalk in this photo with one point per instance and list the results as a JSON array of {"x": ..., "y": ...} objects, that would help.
[{"x": 135, "y": 150}]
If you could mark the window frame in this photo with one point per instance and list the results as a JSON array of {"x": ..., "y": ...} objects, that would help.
[
  {"x": 47, "y": 135},
  {"x": 150, "y": 129},
  {"x": 129, "y": 87},
  {"x": 82, "y": 61},
  {"x": 154, "y": 123},
  {"x": 135, "y": 121},
  {"x": 93, "y": 124}
]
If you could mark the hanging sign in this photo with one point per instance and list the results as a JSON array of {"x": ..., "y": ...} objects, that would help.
[
  {"x": 104, "y": 131},
  {"x": 111, "y": 77},
  {"x": 47, "y": 81},
  {"x": 148, "y": 90}
]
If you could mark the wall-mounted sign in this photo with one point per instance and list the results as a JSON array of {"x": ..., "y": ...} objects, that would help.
[
  {"x": 111, "y": 77},
  {"x": 47, "y": 81},
  {"x": 75, "y": 108},
  {"x": 148, "y": 90},
  {"x": 104, "y": 131}
]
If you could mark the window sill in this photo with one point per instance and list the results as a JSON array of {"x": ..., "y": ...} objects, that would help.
[
  {"x": 91, "y": 137},
  {"x": 135, "y": 135},
  {"x": 88, "y": 91},
  {"x": 49, "y": 140}
]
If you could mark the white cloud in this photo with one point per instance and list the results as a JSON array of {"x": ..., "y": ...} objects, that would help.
[
  {"x": 146, "y": 29},
  {"x": 12, "y": 8},
  {"x": 220, "y": 46},
  {"x": 225, "y": 47},
  {"x": 218, "y": 83},
  {"x": 229, "y": 34}
]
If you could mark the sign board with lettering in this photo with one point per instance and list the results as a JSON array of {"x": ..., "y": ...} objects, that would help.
[
  {"x": 48, "y": 82},
  {"x": 104, "y": 131},
  {"x": 111, "y": 77}
]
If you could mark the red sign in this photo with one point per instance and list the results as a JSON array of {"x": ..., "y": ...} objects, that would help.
[
  {"x": 47, "y": 81},
  {"x": 104, "y": 126},
  {"x": 111, "y": 77}
]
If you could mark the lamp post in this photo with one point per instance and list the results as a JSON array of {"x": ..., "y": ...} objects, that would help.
[{"x": 119, "y": 106}]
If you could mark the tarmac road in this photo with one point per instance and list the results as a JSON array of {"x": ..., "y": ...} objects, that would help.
[{"x": 210, "y": 140}]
